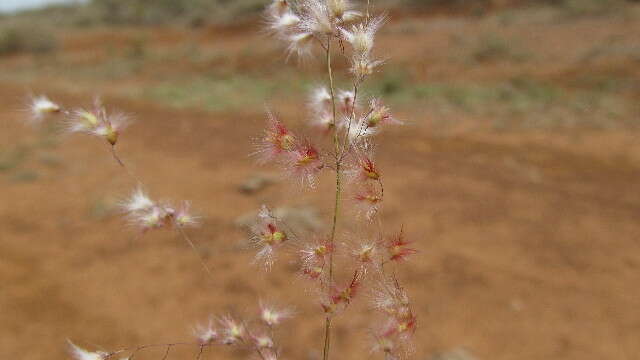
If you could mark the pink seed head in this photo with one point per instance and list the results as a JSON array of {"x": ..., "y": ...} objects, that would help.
[
  {"x": 346, "y": 294},
  {"x": 234, "y": 331},
  {"x": 183, "y": 216},
  {"x": 379, "y": 115},
  {"x": 268, "y": 237},
  {"x": 263, "y": 341},
  {"x": 277, "y": 140},
  {"x": 304, "y": 163},
  {"x": 316, "y": 252},
  {"x": 312, "y": 271},
  {"x": 365, "y": 254},
  {"x": 272, "y": 316},
  {"x": 397, "y": 247},
  {"x": 368, "y": 199},
  {"x": 206, "y": 335}
]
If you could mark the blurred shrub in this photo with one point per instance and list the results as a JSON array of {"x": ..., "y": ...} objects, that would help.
[
  {"x": 191, "y": 12},
  {"x": 494, "y": 48},
  {"x": 25, "y": 39},
  {"x": 201, "y": 12},
  {"x": 589, "y": 7},
  {"x": 448, "y": 3}
]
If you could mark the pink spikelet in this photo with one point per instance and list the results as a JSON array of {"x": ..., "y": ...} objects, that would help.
[
  {"x": 362, "y": 167},
  {"x": 368, "y": 200},
  {"x": 399, "y": 321},
  {"x": 316, "y": 253},
  {"x": 341, "y": 296},
  {"x": 397, "y": 247},
  {"x": 376, "y": 118},
  {"x": 276, "y": 141},
  {"x": 268, "y": 237},
  {"x": 183, "y": 216},
  {"x": 147, "y": 214},
  {"x": 233, "y": 331},
  {"x": 365, "y": 253},
  {"x": 312, "y": 271},
  {"x": 304, "y": 163},
  {"x": 379, "y": 115},
  {"x": 206, "y": 335},
  {"x": 272, "y": 316},
  {"x": 386, "y": 345},
  {"x": 262, "y": 340}
]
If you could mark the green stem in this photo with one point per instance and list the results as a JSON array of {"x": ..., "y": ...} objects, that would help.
[{"x": 336, "y": 208}]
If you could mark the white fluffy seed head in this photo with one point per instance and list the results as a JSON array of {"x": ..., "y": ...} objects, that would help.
[
  {"x": 301, "y": 44},
  {"x": 79, "y": 353},
  {"x": 350, "y": 16},
  {"x": 233, "y": 330},
  {"x": 152, "y": 218},
  {"x": 278, "y": 7},
  {"x": 362, "y": 66},
  {"x": 183, "y": 216},
  {"x": 272, "y": 316},
  {"x": 41, "y": 106},
  {"x": 317, "y": 17},
  {"x": 362, "y": 36},
  {"x": 98, "y": 123},
  {"x": 206, "y": 334},
  {"x": 319, "y": 99},
  {"x": 283, "y": 24},
  {"x": 138, "y": 201},
  {"x": 338, "y": 7},
  {"x": 82, "y": 121},
  {"x": 264, "y": 341}
]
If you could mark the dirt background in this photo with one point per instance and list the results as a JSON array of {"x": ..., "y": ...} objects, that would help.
[{"x": 527, "y": 229}]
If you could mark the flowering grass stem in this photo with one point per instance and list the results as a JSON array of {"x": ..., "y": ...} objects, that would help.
[
  {"x": 195, "y": 250},
  {"x": 336, "y": 208}
]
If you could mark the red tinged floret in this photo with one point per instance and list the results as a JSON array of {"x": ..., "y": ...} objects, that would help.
[
  {"x": 304, "y": 163},
  {"x": 369, "y": 168},
  {"x": 268, "y": 237},
  {"x": 313, "y": 272},
  {"x": 276, "y": 141},
  {"x": 368, "y": 200},
  {"x": 316, "y": 252},
  {"x": 397, "y": 247},
  {"x": 346, "y": 294},
  {"x": 361, "y": 166}
]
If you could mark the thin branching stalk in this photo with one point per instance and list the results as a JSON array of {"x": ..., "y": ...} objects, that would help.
[
  {"x": 352, "y": 116},
  {"x": 336, "y": 208},
  {"x": 195, "y": 250}
]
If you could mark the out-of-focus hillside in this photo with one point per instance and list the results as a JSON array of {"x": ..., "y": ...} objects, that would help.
[{"x": 202, "y": 12}]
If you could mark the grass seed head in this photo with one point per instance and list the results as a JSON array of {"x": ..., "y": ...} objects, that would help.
[
  {"x": 78, "y": 353},
  {"x": 206, "y": 335},
  {"x": 40, "y": 107},
  {"x": 233, "y": 331}
]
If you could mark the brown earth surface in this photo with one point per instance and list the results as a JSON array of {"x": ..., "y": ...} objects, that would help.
[{"x": 529, "y": 239}]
